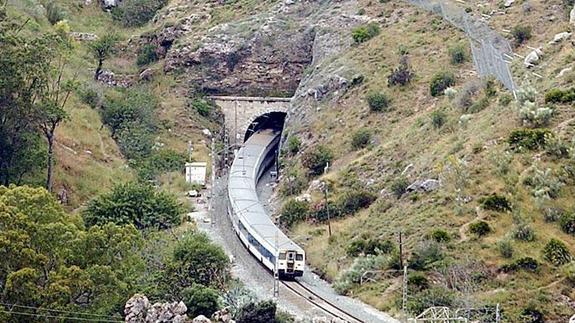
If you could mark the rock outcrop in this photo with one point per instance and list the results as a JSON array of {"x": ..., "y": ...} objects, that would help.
[{"x": 139, "y": 310}]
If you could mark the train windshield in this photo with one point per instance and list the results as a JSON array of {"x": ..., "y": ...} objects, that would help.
[
  {"x": 282, "y": 256},
  {"x": 299, "y": 257}
]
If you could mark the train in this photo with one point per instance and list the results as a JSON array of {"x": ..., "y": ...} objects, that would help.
[{"x": 253, "y": 225}]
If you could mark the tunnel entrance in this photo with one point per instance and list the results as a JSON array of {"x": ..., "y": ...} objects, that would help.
[{"x": 271, "y": 120}]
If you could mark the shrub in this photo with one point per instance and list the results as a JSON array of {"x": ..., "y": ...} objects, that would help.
[
  {"x": 200, "y": 300},
  {"x": 543, "y": 183},
  {"x": 525, "y": 263},
  {"x": 556, "y": 252},
  {"x": 319, "y": 211},
  {"x": 316, "y": 159},
  {"x": 364, "y": 33},
  {"x": 425, "y": 255},
  {"x": 438, "y": 119},
  {"x": 399, "y": 186},
  {"x": 440, "y": 82},
  {"x": 417, "y": 282},
  {"x": 147, "y": 55},
  {"x": 436, "y": 296},
  {"x": 136, "y": 13},
  {"x": 531, "y": 139},
  {"x": 377, "y": 101},
  {"x": 496, "y": 203},
  {"x": 89, "y": 96},
  {"x": 135, "y": 141},
  {"x": 464, "y": 98},
  {"x": 293, "y": 145},
  {"x": 552, "y": 214},
  {"x": 160, "y": 161},
  {"x": 293, "y": 211},
  {"x": 521, "y": 34},
  {"x": 439, "y": 235},
  {"x": 295, "y": 182},
  {"x": 533, "y": 115},
  {"x": 505, "y": 99},
  {"x": 369, "y": 246},
  {"x": 556, "y": 147},
  {"x": 570, "y": 273},
  {"x": 361, "y": 138},
  {"x": 134, "y": 107},
  {"x": 402, "y": 75},
  {"x": 479, "y": 228},
  {"x": 505, "y": 248},
  {"x": 347, "y": 279},
  {"x": 354, "y": 200},
  {"x": 559, "y": 96},
  {"x": 533, "y": 315},
  {"x": 567, "y": 223},
  {"x": 523, "y": 232},
  {"x": 458, "y": 54},
  {"x": 202, "y": 106},
  {"x": 54, "y": 13},
  {"x": 137, "y": 204}
]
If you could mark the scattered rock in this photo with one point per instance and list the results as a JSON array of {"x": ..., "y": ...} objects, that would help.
[
  {"x": 207, "y": 132},
  {"x": 572, "y": 16},
  {"x": 111, "y": 79},
  {"x": 83, "y": 36},
  {"x": 139, "y": 310},
  {"x": 147, "y": 74},
  {"x": 560, "y": 37},
  {"x": 223, "y": 315},
  {"x": 427, "y": 185},
  {"x": 109, "y": 4},
  {"x": 201, "y": 319},
  {"x": 564, "y": 71},
  {"x": 533, "y": 58},
  {"x": 508, "y": 3},
  {"x": 304, "y": 198}
]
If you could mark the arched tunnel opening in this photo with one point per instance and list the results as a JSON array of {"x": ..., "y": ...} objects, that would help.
[{"x": 271, "y": 120}]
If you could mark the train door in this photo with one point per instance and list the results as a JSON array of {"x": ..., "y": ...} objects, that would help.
[{"x": 290, "y": 262}]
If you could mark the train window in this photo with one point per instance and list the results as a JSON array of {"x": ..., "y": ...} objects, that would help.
[
  {"x": 299, "y": 257},
  {"x": 290, "y": 256},
  {"x": 282, "y": 256}
]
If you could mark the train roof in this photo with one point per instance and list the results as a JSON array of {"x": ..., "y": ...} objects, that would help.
[{"x": 243, "y": 194}]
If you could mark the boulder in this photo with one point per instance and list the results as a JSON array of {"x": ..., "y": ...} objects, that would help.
[
  {"x": 109, "y": 4},
  {"x": 222, "y": 316},
  {"x": 564, "y": 71},
  {"x": 139, "y": 310},
  {"x": 572, "y": 17},
  {"x": 78, "y": 36},
  {"x": 533, "y": 58},
  {"x": 136, "y": 308},
  {"x": 560, "y": 37},
  {"x": 146, "y": 74},
  {"x": 427, "y": 185},
  {"x": 508, "y": 3},
  {"x": 201, "y": 319}
]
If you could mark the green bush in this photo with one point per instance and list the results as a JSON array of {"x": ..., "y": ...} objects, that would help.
[
  {"x": 417, "y": 282},
  {"x": 200, "y": 300},
  {"x": 479, "y": 228},
  {"x": 369, "y": 246},
  {"x": 89, "y": 96},
  {"x": 505, "y": 248},
  {"x": 440, "y": 82},
  {"x": 438, "y": 118},
  {"x": 425, "y": 255},
  {"x": 319, "y": 211},
  {"x": 202, "y": 106},
  {"x": 531, "y": 139},
  {"x": 402, "y": 75},
  {"x": 521, "y": 34},
  {"x": 54, "y": 13},
  {"x": 505, "y": 99},
  {"x": 347, "y": 279},
  {"x": 353, "y": 200},
  {"x": 159, "y": 162},
  {"x": 556, "y": 252},
  {"x": 262, "y": 312},
  {"x": 364, "y": 33},
  {"x": 134, "y": 107},
  {"x": 436, "y": 296},
  {"x": 147, "y": 55},
  {"x": 293, "y": 145},
  {"x": 560, "y": 96},
  {"x": 295, "y": 182},
  {"x": 458, "y": 54},
  {"x": 495, "y": 203},
  {"x": 135, "y": 141},
  {"x": 523, "y": 232},
  {"x": 399, "y": 186},
  {"x": 137, "y": 204},
  {"x": 361, "y": 138},
  {"x": 567, "y": 223},
  {"x": 316, "y": 159},
  {"x": 136, "y": 13},
  {"x": 293, "y": 211},
  {"x": 525, "y": 263},
  {"x": 377, "y": 101},
  {"x": 439, "y": 235}
]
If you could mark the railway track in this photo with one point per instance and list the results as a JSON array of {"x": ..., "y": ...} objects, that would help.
[{"x": 312, "y": 297}]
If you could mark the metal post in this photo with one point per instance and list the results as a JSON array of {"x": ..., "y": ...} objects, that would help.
[
  {"x": 400, "y": 250},
  {"x": 497, "y": 315},
  {"x": 276, "y": 274},
  {"x": 404, "y": 295},
  {"x": 236, "y": 123},
  {"x": 327, "y": 202}
]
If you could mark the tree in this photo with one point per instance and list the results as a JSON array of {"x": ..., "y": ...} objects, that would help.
[
  {"x": 263, "y": 312},
  {"x": 102, "y": 49},
  {"x": 195, "y": 260},
  {"x": 200, "y": 300},
  {"x": 137, "y": 204},
  {"x": 316, "y": 159},
  {"x": 49, "y": 260}
]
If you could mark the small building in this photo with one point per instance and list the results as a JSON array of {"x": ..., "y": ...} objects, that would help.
[{"x": 196, "y": 173}]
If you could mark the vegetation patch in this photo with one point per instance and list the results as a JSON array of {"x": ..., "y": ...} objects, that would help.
[
  {"x": 440, "y": 82},
  {"x": 560, "y": 96},
  {"x": 495, "y": 203},
  {"x": 316, "y": 159},
  {"x": 378, "y": 101},
  {"x": 556, "y": 252},
  {"x": 479, "y": 228},
  {"x": 362, "y": 34},
  {"x": 293, "y": 211},
  {"x": 531, "y": 139}
]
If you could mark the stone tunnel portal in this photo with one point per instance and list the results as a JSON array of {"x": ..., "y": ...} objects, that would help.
[{"x": 270, "y": 120}]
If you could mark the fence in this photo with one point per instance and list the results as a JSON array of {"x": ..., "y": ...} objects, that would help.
[{"x": 491, "y": 52}]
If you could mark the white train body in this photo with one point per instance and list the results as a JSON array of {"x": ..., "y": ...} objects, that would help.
[{"x": 251, "y": 222}]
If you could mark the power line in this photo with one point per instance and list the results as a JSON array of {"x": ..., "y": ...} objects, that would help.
[
  {"x": 61, "y": 317},
  {"x": 52, "y": 310}
]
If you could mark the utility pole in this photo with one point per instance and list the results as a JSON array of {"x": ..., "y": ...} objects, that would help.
[
  {"x": 497, "y": 315},
  {"x": 276, "y": 273},
  {"x": 326, "y": 202},
  {"x": 400, "y": 250},
  {"x": 404, "y": 294},
  {"x": 190, "y": 150}
]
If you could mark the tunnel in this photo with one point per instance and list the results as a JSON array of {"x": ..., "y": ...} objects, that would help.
[{"x": 271, "y": 120}]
